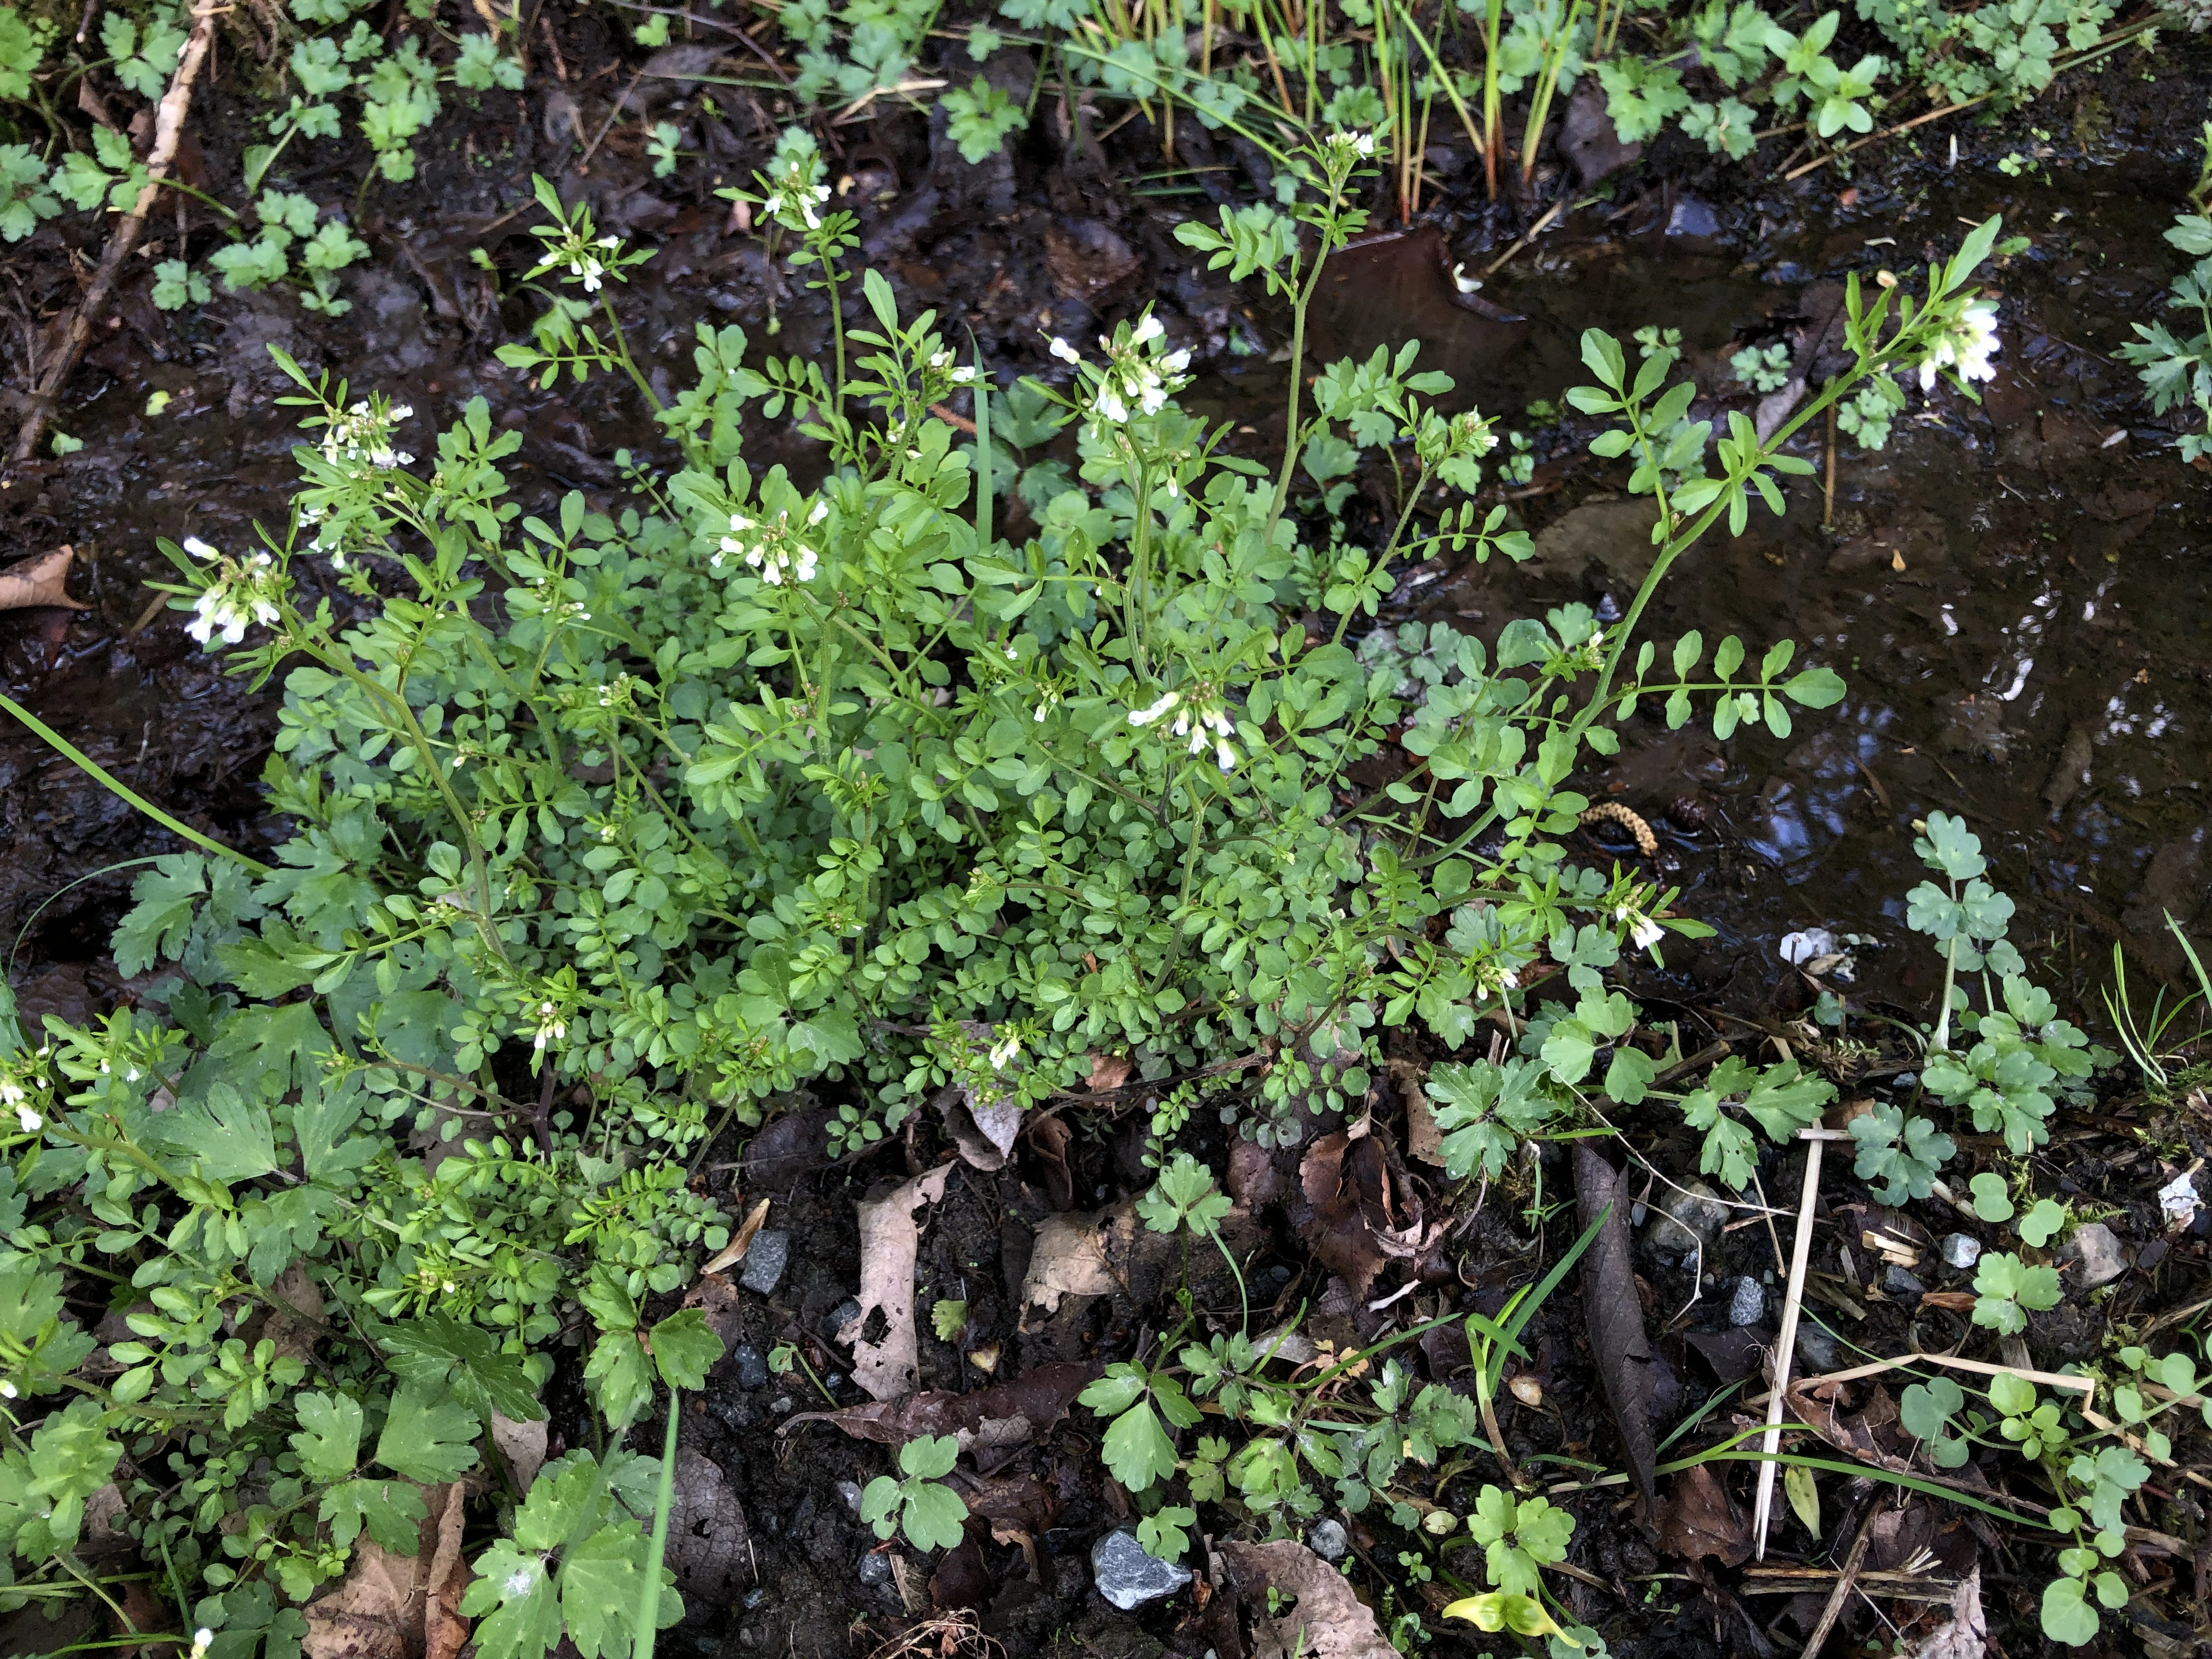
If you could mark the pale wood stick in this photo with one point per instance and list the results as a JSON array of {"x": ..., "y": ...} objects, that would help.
[
  {"x": 1793, "y": 1301},
  {"x": 2084, "y": 1385},
  {"x": 67, "y": 341}
]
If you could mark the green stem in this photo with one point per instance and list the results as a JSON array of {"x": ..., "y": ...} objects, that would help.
[
  {"x": 648, "y": 1599},
  {"x": 108, "y": 780}
]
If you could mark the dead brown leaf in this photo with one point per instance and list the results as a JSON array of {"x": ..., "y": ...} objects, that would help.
[
  {"x": 1424, "y": 1142},
  {"x": 40, "y": 582},
  {"x": 1967, "y": 1635},
  {"x": 1355, "y": 1215},
  {"x": 1327, "y": 1621},
  {"x": 1049, "y": 1139},
  {"x": 996, "y": 1419},
  {"x": 709, "y": 1550},
  {"x": 399, "y": 1606},
  {"x": 1614, "y": 1315},
  {"x": 521, "y": 1446},
  {"x": 1110, "y": 1072},
  {"x": 143, "y": 1614},
  {"x": 890, "y": 1242},
  {"x": 1819, "y": 1405},
  {"x": 1700, "y": 1520},
  {"x": 1077, "y": 1253},
  {"x": 741, "y": 1241},
  {"x": 721, "y": 1303},
  {"x": 294, "y": 1333}
]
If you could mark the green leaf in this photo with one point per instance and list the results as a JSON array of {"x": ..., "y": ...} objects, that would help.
[
  {"x": 428, "y": 1436},
  {"x": 1164, "y": 1536},
  {"x": 514, "y": 1587},
  {"x": 684, "y": 1350},
  {"x": 1991, "y": 1201},
  {"x": 601, "y": 1581},
  {"x": 935, "y": 1517},
  {"x": 393, "y": 1511},
  {"x": 439, "y": 1352},
  {"x": 1137, "y": 1448},
  {"x": 621, "y": 1377},
  {"x": 329, "y": 1441},
  {"x": 2044, "y": 1218},
  {"x": 2066, "y": 1616},
  {"x": 229, "y": 1136}
]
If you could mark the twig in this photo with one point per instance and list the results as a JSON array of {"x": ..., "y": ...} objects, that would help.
[
  {"x": 2085, "y": 1385},
  {"x": 66, "y": 344},
  {"x": 1844, "y": 1581},
  {"x": 1800, "y": 1251},
  {"x": 1534, "y": 231},
  {"x": 1828, "y": 496}
]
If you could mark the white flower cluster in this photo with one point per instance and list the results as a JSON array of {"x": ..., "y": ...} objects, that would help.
[
  {"x": 774, "y": 550},
  {"x": 1004, "y": 1051},
  {"x": 552, "y": 1028},
  {"x": 1361, "y": 144},
  {"x": 959, "y": 373},
  {"x": 241, "y": 594},
  {"x": 1201, "y": 722},
  {"x": 1137, "y": 377},
  {"x": 1645, "y": 932},
  {"x": 792, "y": 202},
  {"x": 15, "y": 1099},
  {"x": 585, "y": 264},
  {"x": 1966, "y": 347},
  {"x": 362, "y": 437}
]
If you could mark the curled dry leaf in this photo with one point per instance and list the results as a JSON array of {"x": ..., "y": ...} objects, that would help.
[
  {"x": 1424, "y": 1142},
  {"x": 1699, "y": 1519},
  {"x": 1048, "y": 1138},
  {"x": 740, "y": 1240},
  {"x": 1356, "y": 1215},
  {"x": 40, "y": 582},
  {"x": 992, "y": 1421},
  {"x": 1083, "y": 1253},
  {"x": 1326, "y": 1619},
  {"x": 890, "y": 1242},
  {"x": 1968, "y": 1634},
  {"x": 1110, "y": 1072},
  {"x": 1615, "y": 1315},
  {"x": 294, "y": 1333},
  {"x": 1819, "y": 1405}
]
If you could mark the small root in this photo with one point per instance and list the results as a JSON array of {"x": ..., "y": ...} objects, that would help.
[{"x": 1612, "y": 812}]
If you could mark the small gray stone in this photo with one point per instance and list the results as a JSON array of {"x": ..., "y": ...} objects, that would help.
[
  {"x": 1961, "y": 1250},
  {"x": 1904, "y": 1082},
  {"x": 1817, "y": 1351},
  {"x": 1898, "y": 1282},
  {"x": 1749, "y": 1305},
  {"x": 1688, "y": 1217},
  {"x": 2097, "y": 1250},
  {"x": 850, "y": 1492},
  {"x": 765, "y": 1260},
  {"x": 752, "y": 1369},
  {"x": 875, "y": 1568},
  {"x": 1328, "y": 1540},
  {"x": 841, "y": 1316},
  {"x": 1128, "y": 1578}
]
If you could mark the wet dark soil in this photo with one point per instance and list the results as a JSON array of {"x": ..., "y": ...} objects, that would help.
[{"x": 2016, "y": 593}]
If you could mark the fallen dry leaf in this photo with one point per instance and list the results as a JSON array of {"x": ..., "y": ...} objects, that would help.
[
  {"x": 521, "y": 1446},
  {"x": 1818, "y": 1405},
  {"x": 741, "y": 1241},
  {"x": 294, "y": 1333},
  {"x": 1615, "y": 1315},
  {"x": 722, "y": 1304},
  {"x": 890, "y": 1242},
  {"x": 1049, "y": 1139},
  {"x": 42, "y": 580},
  {"x": 1354, "y": 1214},
  {"x": 997, "y": 1418},
  {"x": 1327, "y": 1621},
  {"x": 1967, "y": 1635},
  {"x": 709, "y": 1550},
  {"x": 399, "y": 1606},
  {"x": 445, "y": 1632},
  {"x": 1699, "y": 1519},
  {"x": 1424, "y": 1142},
  {"x": 1110, "y": 1072},
  {"x": 1077, "y": 1253}
]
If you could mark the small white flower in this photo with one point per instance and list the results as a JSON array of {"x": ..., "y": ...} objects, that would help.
[
  {"x": 200, "y": 549},
  {"x": 6, "y": 1390},
  {"x": 1149, "y": 329},
  {"x": 1002, "y": 1052},
  {"x": 1147, "y": 716},
  {"x": 821, "y": 511},
  {"x": 201, "y": 1638},
  {"x": 1060, "y": 349},
  {"x": 29, "y": 1120}
]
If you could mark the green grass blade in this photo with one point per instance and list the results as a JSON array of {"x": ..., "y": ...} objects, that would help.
[
  {"x": 649, "y": 1600},
  {"x": 108, "y": 780},
  {"x": 986, "y": 485}
]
